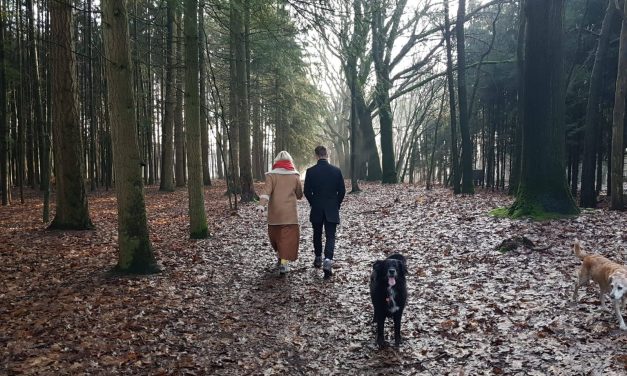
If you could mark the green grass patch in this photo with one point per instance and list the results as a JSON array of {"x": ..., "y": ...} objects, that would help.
[
  {"x": 500, "y": 212},
  {"x": 533, "y": 213}
]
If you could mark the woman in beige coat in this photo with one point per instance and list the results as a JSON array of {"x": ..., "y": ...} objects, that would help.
[{"x": 281, "y": 190}]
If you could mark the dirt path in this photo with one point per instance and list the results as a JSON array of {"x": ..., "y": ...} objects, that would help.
[{"x": 220, "y": 307}]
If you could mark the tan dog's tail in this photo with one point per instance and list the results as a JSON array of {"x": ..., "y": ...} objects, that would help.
[{"x": 579, "y": 252}]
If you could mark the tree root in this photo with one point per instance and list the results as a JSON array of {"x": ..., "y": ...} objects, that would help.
[{"x": 513, "y": 243}]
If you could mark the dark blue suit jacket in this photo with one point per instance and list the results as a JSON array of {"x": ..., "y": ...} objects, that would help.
[{"x": 324, "y": 189}]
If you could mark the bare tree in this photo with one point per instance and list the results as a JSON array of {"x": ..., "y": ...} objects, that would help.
[
  {"x": 72, "y": 210},
  {"x": 135, "y": 254},
  {"x": 618, "y": 125}
]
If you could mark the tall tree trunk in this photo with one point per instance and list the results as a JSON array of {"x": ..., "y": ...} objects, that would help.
[
  {"x": 452, "y": 105},
  {"x": 234, "y": 100},
  {"x": 20, "y": 102},
  {"x": 618, "y": 125},
  {"x": 4, "y": 129},
  {"x": 92, "y": 115},
  {"x": 72, "y": 209},
  {"x": 197, "y": 217},
  {"x": 382, "y": 93},
  {"x": 366, "y": 138},
  {"x": 464, "y": 126},
  {"x": 167, "y": 133},
  {"x": 247, "y": 188},
  {"x": 353, "y": 142},
  {"x": 588, "y": 192},
  {"x": 135, "y": 254},
  {"x": 543, "y": 191},
  {"x": 40, "y": 121},
  {"x": 435, "y": 142},
  {"x": 204, "y": 119},
  {"x": 514, "y": 179},
  {"x": 257, "y": 152},
  {"x": 219, "y": 149},
  {"x": 179, "y": 126}
]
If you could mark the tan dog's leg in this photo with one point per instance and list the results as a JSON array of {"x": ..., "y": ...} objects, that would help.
[
  {"x": 621, "y": 322},
  {"x": 582, "y": 280}
]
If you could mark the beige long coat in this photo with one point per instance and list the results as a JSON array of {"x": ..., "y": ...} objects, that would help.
[{"x": 281, "y": 191}]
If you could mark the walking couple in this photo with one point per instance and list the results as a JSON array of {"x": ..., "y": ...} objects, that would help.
[{"x": 324, "y": 189}]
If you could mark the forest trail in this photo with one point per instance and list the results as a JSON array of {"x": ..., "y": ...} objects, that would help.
[{"x": 221, "y": 308}]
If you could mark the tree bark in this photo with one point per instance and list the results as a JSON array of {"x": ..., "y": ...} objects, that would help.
[
  {"x": 167, "y": 134},
  {"x": 179, "y": 126},
  {"x": 257, "y": 153},
  {"x": 452, "y": 104},
  {"x": 588, "y": 192},
  {"x": 135, "y": 253},
  {"x": 247, "y": 189},
  {"x": 543, "y": 192},
  {"x": 382, "y": 93},
  {"x": 435, "y": 142},
  {"x": 72, "y": 208},
  {"x": 204, "y": 118},
  {"x": 197, "y": 216},
  {"x": 4, "y": 129},
  {"x": 464, "y": 126},
  {"x": 234, "y": 101},
  {"x": 618, "y": 118},
  {"x": 40, "y": 122},
  {"x": 514, "y": 179}
]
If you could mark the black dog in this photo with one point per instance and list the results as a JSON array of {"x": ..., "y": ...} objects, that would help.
[{"x": 388, "y": 292}]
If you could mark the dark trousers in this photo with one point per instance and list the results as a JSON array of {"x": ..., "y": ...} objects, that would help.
[{"x": 329, "y": 232}]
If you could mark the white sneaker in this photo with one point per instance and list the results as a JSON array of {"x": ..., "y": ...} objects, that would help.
[{"x": 283, "y": 267}]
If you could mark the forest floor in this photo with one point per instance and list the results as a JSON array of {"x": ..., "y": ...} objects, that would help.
[{"x": 219, "y": 307}]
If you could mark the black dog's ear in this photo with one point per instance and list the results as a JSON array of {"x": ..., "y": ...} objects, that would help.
[
  {"x": 378, "y": 265},
  {"x": 403, "y": 264}
]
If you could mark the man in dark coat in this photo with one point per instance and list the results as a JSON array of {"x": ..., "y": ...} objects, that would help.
[{"x": 324, "y": 189}]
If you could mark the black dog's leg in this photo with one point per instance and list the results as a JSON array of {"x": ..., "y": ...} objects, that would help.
[
  {"x": 380, "y": 324},
  {"x": 397, "y": 328}
]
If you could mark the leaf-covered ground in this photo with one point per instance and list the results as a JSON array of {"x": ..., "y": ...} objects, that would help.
[{"x": 220, "y": 307}]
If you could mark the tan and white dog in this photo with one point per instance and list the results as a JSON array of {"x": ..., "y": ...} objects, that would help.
[{"x": 611, "y": 277}]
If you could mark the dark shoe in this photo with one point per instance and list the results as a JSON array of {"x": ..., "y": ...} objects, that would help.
[
  {"x": 327, "y": 268},
  {"x": 318, "y": 262}
]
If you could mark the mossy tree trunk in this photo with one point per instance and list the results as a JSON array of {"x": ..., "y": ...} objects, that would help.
[
  {"x": 197, "y": 217},
  {"x": 135, "y": 253},
  {"x": 543, "y": 190},
  {"x": 72, "y": 210},
  {"x": 167, "y": 135},
  {"x": 618, "y": 125},
  {"x": 588, "y": 189}
]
